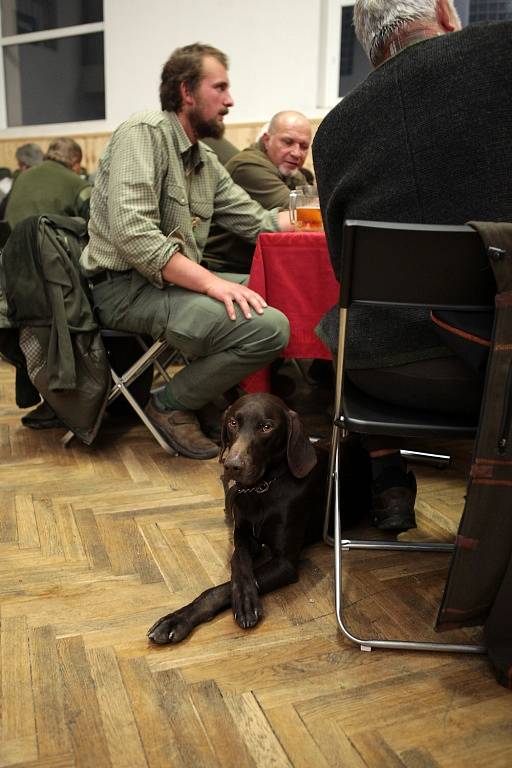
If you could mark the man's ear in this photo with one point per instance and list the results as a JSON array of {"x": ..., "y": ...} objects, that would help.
[
  {"x": 265, "y": 138},
  {"x": 447, "y": 17},
  {"x": 187, "y": 96}
]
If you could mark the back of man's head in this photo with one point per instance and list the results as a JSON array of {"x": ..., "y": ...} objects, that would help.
[
  {"x": 376, "y": 21},
  {"x": 185, "y": 65},
  {"x": 66, "y": 151},
  {"x": 29, "y": 155}
]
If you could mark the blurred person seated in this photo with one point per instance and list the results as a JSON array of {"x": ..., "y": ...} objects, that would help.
[
  {"x": 222, "y": 147},
  {"x": 53, "y": 186},
  {"x": 267, "y": 170},
  {"x": 50, "y": 186},
  {"x": 424, "y": 139},
  {"x": 27, "y": 156}
]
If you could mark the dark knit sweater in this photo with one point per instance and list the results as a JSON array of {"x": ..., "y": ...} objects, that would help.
[{"x": 425, "y": 138}]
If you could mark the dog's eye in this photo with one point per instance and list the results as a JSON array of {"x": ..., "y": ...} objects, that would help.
[
  {"x": 232, "y": 422},
  {"x": 266, "y": 427}
]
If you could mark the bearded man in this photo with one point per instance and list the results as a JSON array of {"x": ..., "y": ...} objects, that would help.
[{"x": 157, "y": 188}]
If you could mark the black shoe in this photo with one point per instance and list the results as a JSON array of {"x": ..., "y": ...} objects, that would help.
[
  {"x": 394, "y": 494},
  {"x": 42, "y": 417}
]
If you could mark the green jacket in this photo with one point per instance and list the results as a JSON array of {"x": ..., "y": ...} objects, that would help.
[
  {"x": 252, "y": 170},
  {"x": 48, "y": 188}
]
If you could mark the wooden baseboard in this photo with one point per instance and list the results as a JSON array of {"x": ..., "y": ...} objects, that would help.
[{"x": 93, "y": 144}]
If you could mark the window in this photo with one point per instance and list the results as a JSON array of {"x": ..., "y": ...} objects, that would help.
[
  {"x": 345, "y": 65},
  {"x": 490, "y": 10},
  {"x": 52, "y": 60}
]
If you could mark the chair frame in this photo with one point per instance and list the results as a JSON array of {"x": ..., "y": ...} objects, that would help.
[
  {"x": 121, "y": 383},
  {"x": 461, "y": 246}
]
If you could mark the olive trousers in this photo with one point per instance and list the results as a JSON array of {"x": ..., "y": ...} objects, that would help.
[{"x": 222, "y": 351}]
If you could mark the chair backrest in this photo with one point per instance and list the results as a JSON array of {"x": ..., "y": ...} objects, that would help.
[{"x": 426, "y": 265}]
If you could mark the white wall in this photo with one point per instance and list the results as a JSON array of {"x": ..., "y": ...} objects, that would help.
[
  {"x": 277, "y": 51},
  {"x": 272, "y": 46}
]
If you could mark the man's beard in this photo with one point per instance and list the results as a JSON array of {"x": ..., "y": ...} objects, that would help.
[{"x": 206, "y": 128}]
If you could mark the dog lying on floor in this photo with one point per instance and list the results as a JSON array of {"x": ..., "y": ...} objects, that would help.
[{"x": 277, "y": 503}]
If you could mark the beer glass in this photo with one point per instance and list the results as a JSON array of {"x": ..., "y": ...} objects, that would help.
[{"x": 304, "y": 209}]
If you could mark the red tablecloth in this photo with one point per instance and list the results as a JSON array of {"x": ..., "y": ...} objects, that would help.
[{"x": 293, "y": 272}]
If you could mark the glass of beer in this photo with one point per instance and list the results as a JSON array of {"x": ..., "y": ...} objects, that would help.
[{"x": 305, "y": 209}]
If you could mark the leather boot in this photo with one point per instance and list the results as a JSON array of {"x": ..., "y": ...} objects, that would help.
[
  {"x": 182, "y": 431},
  {"x": 393, "y": 497}
]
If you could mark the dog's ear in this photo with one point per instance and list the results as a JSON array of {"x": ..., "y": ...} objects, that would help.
[
  {"x": 223, "y": 437},
  {"x": 300, "y": 453}
]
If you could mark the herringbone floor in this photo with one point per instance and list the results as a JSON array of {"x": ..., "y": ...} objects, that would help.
[{"x": 97, "y": 542}]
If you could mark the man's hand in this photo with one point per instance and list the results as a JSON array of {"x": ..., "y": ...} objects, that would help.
[
  {"x": 181, "y": 271},
  {"x": 283, "y": 219},
  {"x": 233, "y": 293}
]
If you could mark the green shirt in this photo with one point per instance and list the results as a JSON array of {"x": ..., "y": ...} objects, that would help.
[
  {"x": 256, "y": 173},
  {"x": 48, "y": 188},
  {"x": 156, "y": 191}
]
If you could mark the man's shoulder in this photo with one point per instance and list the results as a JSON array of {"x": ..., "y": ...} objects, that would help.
[
  {"x": 252, "y": 155},
  {"x": 152, "y": 118}
]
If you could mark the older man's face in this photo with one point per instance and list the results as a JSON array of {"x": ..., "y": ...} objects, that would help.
[{"x": 288, "y": 144}]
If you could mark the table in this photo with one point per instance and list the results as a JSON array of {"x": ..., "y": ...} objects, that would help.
[{"x": 293, "y": 273}]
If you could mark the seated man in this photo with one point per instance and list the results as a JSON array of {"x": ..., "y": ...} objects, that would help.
[
  {"x": 156, "y": 191},
  {"x": 425, "y": 138},
  {"x": 27, "y": 156},
  {"x": 223, "y": 148},
  {"x": 267, "y": 170},
  {"x": 53, "y": 186}
]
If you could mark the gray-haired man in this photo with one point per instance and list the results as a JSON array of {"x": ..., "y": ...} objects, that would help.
[{"x": 425, "y": 138}]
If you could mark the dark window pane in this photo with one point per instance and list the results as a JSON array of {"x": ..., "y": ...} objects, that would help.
[
  {"x": 21, "y": 16},
  {"x": 354, "y": 64},
  {"x": 490, "y": 10},
  {"x": 55, "y": 81}
]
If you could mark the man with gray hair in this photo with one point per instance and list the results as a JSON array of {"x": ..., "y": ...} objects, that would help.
[
  {"x": 426, "y": 139},
  {"x": 29, "y": 155},
  {"x": 54, "y": 186}
]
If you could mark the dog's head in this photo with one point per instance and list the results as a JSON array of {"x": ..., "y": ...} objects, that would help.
[{"x": 259, "y": 432}]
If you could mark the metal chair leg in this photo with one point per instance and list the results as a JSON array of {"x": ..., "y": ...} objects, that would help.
[{"x": 340, "y": 545}]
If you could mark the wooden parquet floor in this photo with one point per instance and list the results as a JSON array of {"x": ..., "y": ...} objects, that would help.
[{"x": 97, "y": 542}]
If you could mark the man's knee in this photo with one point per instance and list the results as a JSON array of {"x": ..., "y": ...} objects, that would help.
[{"x": 276, "y": 327}]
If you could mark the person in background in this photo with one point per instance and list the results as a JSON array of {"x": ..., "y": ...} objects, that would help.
[
  {"x": 222, "y": 147},
  {"x": 426, "y": 139},
  {"x": 27, "y": 156},
  {"x": 53, "y": 186},
  {"x": 156, "y": 190},
  {"x": 267, "y": 170}
]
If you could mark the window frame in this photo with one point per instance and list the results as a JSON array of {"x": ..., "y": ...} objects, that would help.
[
  {"x": 330, "y": 50},
  {"x": 36, "y": 37}
]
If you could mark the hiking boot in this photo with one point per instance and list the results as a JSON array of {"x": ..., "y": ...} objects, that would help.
[
  {"x": 393, "y": 497},
  {"x": 42, "y": 417},
  {"x": 182, "y": 431}
]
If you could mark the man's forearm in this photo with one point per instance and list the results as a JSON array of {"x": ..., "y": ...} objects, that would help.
[{"x": 187, "y": 274}]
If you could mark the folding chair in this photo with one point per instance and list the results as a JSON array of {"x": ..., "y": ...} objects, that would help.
[
  {"x": 151, "y": 355},
  {"x": 441, "y": 267}
]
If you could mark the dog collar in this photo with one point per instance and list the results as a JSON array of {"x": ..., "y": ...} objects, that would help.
[{"x": 260, "y": 488}]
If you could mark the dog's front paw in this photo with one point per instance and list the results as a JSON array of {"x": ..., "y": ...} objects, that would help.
[
  {"x": 172, "y": 628},
  {"x": 246, "y": 604}
]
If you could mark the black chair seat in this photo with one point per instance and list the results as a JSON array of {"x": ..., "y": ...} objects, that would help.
[{"x": 366, "y": 415}]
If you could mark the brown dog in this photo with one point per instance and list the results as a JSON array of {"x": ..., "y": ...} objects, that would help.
[{"x": 277, "y": 502}]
